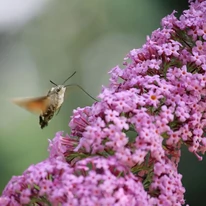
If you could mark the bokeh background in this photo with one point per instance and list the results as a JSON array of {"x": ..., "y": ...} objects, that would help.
[{"x": 44, "y": 39}]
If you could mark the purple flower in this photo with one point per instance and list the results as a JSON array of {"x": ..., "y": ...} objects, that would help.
[
  {"x": 125, "y": 149},
  {"x": 61, "y": 146},
  {"x": 104, "y": 181}
]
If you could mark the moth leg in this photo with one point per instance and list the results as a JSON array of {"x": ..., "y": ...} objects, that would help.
[{"x": 58, "y": 110}]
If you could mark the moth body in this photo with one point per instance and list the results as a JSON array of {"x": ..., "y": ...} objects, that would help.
[{"x": 55, "y": 98}]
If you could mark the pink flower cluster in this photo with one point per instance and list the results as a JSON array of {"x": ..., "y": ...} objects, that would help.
[
  {"x": 125, "y": 149},
  {"x": 54, "y": 181}
]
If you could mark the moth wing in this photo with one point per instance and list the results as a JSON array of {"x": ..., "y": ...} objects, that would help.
[{"x": 36, "y": 105}]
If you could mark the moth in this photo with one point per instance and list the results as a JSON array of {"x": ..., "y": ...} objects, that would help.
[{"x": 46, "y": 106}]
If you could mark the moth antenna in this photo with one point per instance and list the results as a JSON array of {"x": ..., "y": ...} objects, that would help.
[
  {"x": 53, "y": 83},
  {"x": 76, "y": 85},
  {"x": 69, "y": 78}
]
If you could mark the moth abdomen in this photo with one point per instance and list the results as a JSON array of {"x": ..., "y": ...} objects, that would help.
[
  {"x": 47, "y": 116},
  {"x": 42, "y": 122}
]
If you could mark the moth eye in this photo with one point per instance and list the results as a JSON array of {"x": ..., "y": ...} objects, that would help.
[{"x": 58, "y": 89}]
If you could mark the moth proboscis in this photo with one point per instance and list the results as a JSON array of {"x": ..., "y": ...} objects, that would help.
[{"x": 46, "y": 106}]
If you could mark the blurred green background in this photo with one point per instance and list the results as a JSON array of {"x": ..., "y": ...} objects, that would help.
[{"x": 42, "y": 40}]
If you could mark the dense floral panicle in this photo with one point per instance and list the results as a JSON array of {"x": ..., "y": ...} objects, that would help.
[
  {"x": 158, "y": 95},
  {"x": 125, "y": 149},
  {"x": 93, "y": 181}
]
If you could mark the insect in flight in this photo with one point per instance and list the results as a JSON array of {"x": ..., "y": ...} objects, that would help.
[{"x": 47, "y": 106}]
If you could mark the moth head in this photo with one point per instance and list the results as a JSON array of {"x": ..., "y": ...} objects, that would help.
[{"x": 59, "y": 89}]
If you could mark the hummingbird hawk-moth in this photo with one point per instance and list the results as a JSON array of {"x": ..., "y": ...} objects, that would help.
[{"x": 47, "y": 106}]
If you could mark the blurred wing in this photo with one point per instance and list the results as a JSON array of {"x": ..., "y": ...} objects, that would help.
[{"x": 35, "y": 105}]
